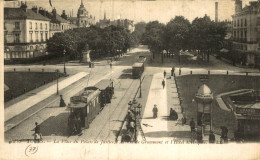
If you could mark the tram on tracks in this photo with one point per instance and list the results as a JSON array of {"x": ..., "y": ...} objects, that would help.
[
  {"x": 137, "y": 70},
  {"x": 87, "y": 104}
]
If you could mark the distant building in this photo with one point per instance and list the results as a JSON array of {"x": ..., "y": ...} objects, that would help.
[
  {"x": 103, "y": 23},
  {"x": 125, "y": 23},
  {"x": 57, "y": 23},
  {"x": 83, "y": 18},
  {"x": 216, "y": 11},
  {"x": 246, "y": 32},
  {"x": 25, "y": 33}
]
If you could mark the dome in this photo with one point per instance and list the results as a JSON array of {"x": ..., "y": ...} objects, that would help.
[
  {"x": 82, "y": 12},
  {"x": 204, "y": 90}
]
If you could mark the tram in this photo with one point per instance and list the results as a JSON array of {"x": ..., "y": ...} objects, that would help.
[
  {"x": 137, "y": 70},
  {"x": 87, "y": 104}
]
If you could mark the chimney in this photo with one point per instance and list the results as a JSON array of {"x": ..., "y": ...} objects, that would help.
[
  {"x": 35, "y": 9},
  {"x": 216, "y": 12},
  {"x": 238, "y": 6},
  {"x": 54, "y": 14},
  {"x": 63, "y": 15},
  {"x": 23, "y": 6},
  {"x": 42, "y": 11}
]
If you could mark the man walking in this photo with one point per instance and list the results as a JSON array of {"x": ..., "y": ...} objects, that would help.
[
  {"x": 155, "y": 111},
  {"x": 37, "y": 132},
  {"x": 163, "y": 83},
  {"x": 164, "y": 73},
  {"x": 192, "y": 125}
]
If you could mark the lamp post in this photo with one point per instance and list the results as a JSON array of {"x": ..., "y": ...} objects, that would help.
[
  {"x": 64, "y": 53},
  {"x": 140, "y": 95},
  {"x": 134, "y": 104},
  {"x": 57, "y": 71}
]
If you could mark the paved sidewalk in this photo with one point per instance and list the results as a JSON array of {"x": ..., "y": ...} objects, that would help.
[
  {"x": 23, "y": 105},
  {"x": 161, "y": 128}
]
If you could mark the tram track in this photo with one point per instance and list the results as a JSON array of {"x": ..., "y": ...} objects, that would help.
[{"x": 122, "y": 102}]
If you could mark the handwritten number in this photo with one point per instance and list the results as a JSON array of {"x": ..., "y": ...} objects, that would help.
[{"x": 30, "y": 150}]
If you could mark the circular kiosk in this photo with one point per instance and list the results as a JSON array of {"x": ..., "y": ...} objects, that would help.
[{"x": 204, "y": 98}]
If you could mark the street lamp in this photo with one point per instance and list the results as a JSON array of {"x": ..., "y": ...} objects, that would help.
[
  {"x": 140, "y": 95},
  {"x": 57, "y": 74},
  {"x": 134, "y": 105},
  {"x": 64, "y": 53}
]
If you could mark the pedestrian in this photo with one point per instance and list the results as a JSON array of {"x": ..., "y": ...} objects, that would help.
[
  {"x": 62, "y": 103},
  {"x": 173, "y": 69},
  {"x": 179, "y": 71},
  {"x": 155, "y": 111},
  {"x": 183, "y": 120},
  {"x": 110, "y": 64},
  {"x": 224, "y": 133},
  {"x": 37, "y": 132},
  {"x": 163, "y": 83},
  {"x": 211, "y": 137},
  {"x": 192, "y": 125},
  {"x": 164, "y": 73},
  {"x": 132, "y": 126}
]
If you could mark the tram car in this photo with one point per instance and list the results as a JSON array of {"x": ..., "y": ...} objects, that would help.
[
  {"x": 137, "y": 70},
  {"x": 87, "y": 104},
  {"x": 107, "y": 90},
  {"x": 83, "y": 109}
]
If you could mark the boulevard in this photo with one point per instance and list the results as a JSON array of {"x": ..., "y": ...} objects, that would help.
[{"x": 108, "y": 124}]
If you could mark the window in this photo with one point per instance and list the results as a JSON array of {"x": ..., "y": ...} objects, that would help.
[
  {"x": 41, "y": 25},
  {"x": 17, "y": 25},
  {"x": 36, "y": 36},
  {"x": 41, "y": 36},
  {"x": 36, "y": 26},
  {"x": 30, "y": 25},
  {"x": 241, "y": 22},
  {"x": 31, "y": 37},
  {"x": 235, "y": 35},
  {"x": 45, "y": 26},
  {"x": 4, "y": 25},
  {"x": 238, "y": 22},
  {"x": 62, "y": 27},
  {"x": 245, "y": 34},
  {"x": 46, "y": 35},
  {"x": 17, "y": 38},
  {"x": 245, "y": 22}
]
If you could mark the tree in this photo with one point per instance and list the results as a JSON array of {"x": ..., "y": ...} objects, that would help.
[
  {"x": 176, "y": 34},
  {"x": 206, "y": 35},
  {"x": 139, "y": 31},
  {"x": 153, "y": 37}
]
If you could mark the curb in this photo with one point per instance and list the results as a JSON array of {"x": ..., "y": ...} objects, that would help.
[{"x": 7, "y": 128}]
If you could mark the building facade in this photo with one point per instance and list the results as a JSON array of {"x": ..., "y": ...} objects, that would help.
[
  {"x": 57, "y": 23},
  {"x": 83, "y": 19},
  {"x": 27, "y": 30},
  {"x": 246, "y": 32},
  {"x": 125, "y": 23},
  {"x": 25, "y": 33}
]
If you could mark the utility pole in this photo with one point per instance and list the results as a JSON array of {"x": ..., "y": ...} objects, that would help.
[
  {"x": 140, "y": 87},
  {"x": 57, "y": 71},
  {"x": 64, "y": 53}
]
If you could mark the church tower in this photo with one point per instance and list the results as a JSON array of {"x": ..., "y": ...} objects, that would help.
[{"x": 82, "y": 16}]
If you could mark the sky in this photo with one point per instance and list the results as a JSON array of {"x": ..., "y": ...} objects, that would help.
[{"x": 137, "y": 10}]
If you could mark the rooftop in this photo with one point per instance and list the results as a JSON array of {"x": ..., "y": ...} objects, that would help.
[{"x": 21, "y": 14}]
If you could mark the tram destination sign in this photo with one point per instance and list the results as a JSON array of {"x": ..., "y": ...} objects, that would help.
[{"x": 248, "y": 111}]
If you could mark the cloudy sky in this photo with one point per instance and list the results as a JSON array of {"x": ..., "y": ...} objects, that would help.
[{"x": 145, "y": 10}]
